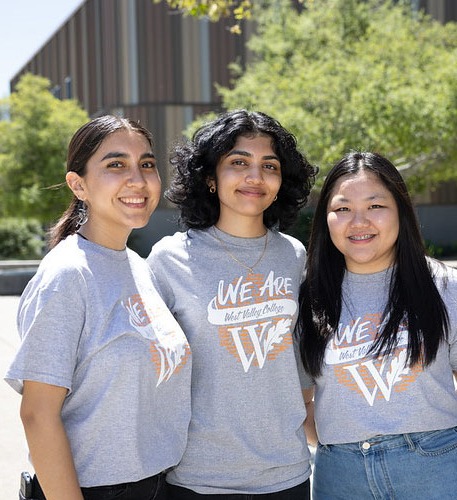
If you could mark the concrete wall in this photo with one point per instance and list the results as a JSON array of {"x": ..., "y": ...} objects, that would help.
[{"x": 438, "y": 223}]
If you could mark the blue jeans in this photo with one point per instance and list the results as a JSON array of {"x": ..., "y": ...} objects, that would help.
[{"x": 415, "y": 466}]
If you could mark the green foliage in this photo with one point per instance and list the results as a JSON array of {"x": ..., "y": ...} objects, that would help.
[
  {"x": 21, "y": 239},
  {"x": 353, "y": 74},
  {"x": 33, "y": 147},
  {"x": 302, "y": 227},
  {"x": 441, "y": 251},
  {"x": 213, "y": 9}
]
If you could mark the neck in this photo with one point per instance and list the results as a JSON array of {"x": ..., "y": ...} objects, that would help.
[
  {"x": 249, "y": 229},
  {"x": 105, "y": 239}
]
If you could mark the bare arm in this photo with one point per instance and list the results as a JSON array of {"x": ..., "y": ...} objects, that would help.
[
  {"x": 47, "y": 440},
  {"x": 310, "y": 425}
]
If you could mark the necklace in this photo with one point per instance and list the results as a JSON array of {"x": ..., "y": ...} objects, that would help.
[
  {"x": 242, "y": 264},
  {"x": 82, "y": 236}
]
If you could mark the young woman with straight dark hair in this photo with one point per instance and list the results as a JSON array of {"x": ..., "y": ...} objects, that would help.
[
  {"x": 378, "y": 333},
  {"x": 103, "y": 367}
]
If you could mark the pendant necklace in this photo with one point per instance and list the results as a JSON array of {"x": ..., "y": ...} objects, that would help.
[{"x": 242, "y": 264}]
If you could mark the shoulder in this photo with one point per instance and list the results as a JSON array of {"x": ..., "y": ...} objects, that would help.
[
  {"x": 287, "y": 241},
  {"x": 179, "y": 244},
  {"x": 445, "y": 277},
  {"x": 66, "y": 258},
  {"x": 441, "y": 271},
  {"x": 168, "y": 244},
  {"x": 60, "y": 273}
]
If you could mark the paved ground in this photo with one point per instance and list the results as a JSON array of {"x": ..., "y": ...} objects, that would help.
[{"x": 13, "y": 447}]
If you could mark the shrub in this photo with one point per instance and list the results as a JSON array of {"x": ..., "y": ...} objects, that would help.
[
  {"x": 21, "y": 239},
  {"x": 302, "y": 227}
]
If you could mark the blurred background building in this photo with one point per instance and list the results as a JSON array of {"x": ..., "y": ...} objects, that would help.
[{"x": 150, "y": 63}]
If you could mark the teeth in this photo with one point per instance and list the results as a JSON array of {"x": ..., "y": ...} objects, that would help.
[
  {"x": 133, "y": 200},
  {"x": 361, "y": 237}
]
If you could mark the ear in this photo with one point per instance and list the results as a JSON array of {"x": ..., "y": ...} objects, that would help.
[
  {"x": 76, "y": 184},
  {"x": 211, "y": 182}
]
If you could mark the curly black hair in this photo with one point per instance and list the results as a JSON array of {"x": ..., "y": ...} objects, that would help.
[{"x": 195, "y": 162}]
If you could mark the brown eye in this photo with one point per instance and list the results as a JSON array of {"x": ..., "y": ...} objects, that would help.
[
  {"x": 148, "y": 165},
  {"x": 115, "y": 164}
]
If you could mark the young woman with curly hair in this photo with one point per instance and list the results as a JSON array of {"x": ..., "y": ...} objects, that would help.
[{"x": 231, "y": 280}]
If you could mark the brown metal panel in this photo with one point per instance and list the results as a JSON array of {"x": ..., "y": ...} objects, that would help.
[
  {"x": 226, "y": 48},
  {"x": 451, "y": 10},
  {"x": 108, "y": 55},
  {"x": 90, "y": 34}
]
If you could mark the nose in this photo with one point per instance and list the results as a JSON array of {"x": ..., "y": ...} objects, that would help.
[
  {"x": 255, "y": 174},
  {"x": 136, "y": 177},
  {"x": 359, "y": 218}
]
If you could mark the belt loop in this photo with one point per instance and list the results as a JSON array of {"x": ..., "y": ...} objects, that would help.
[{"x": 411, "y": 444}]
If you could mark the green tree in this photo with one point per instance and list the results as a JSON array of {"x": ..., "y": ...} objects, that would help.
[
  {"x": 214, "y": 9},
  {"x": 33, "y": 147},
  {"x": 353, "y": 74}
]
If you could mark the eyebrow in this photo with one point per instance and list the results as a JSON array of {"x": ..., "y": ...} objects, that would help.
[
  {"x": 240, "y": 152},
  {"x": 117, "y": 154},
  {"x": 368, "y": 198}
]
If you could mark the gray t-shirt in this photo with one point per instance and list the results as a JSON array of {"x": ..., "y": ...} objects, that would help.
[
  {"x": 246, "y": 433},
  {"x": 91, "y": 321},
  {"x": 358, "y": 397}
]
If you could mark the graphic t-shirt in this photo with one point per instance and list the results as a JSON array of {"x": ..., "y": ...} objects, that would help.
[
  {"x": 359, "y": 396},
  {"x": 246, "y": 433},
  {"x": 91, "y": 321}
]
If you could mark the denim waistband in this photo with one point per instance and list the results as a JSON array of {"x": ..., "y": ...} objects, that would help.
[{"x": 384, "y": 442}]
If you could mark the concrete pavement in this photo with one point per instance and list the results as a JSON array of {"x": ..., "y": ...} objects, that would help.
[{"x": 13, "y": 446}]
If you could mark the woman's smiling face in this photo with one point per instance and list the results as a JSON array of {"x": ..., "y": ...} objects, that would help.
[
  {"x": 363, "y": 222},
  {"x": 248, "y": 179},
  {"x": 121, "y": 187}
]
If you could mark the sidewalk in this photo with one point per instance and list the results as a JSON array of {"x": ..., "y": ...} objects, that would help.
[{"x": 13, "y": 447}]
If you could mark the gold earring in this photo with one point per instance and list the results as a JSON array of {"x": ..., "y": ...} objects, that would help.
[
  {"x": 275, "y": 198},
  {"x": 212, "y": 189}
]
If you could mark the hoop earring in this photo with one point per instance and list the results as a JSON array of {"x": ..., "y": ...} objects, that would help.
[
  {"x": 275, "y": 198},
  {"x": 212, "y": 189},
  {"x": 82, "y": 214}
]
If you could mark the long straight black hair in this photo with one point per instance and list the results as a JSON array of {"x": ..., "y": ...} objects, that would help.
[{"x": 413, "y": 296}]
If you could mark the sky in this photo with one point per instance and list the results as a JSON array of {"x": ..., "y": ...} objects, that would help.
[{"x": 25, "y": 26}]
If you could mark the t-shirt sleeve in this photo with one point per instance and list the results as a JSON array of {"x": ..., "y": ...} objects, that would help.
[
  {"x": 158, "y": 263},
  {"x": 51, "y": 319},
  {"x": 306, "y": 381}
]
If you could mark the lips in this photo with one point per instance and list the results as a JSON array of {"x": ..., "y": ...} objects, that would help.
[{"x": 251, "y": 192}]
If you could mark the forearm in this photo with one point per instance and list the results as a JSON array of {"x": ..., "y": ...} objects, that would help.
[
  {"x": 52, "y": 460},
  {"x": 310, "y": 424},
  {"x": 48, "y": 442}
]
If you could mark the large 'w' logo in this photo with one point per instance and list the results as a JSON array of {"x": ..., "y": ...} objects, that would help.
[
  {"x": 252, "y": 343},
  {"x": 354, "y": 366},
  {"x": 254, "y": 317},
  {"x": 384, "y": 379}
]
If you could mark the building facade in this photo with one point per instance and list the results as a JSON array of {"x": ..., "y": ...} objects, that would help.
[{"x": 141, "y": 60}]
